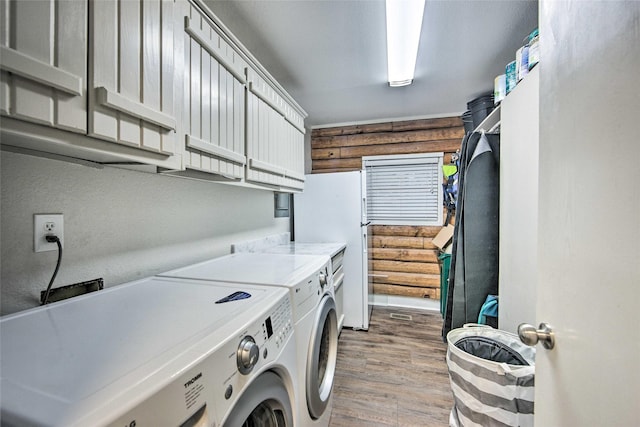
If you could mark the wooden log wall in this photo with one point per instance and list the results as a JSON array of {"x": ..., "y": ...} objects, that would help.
[
  {"x": 340, "y": 149},
  {"x": 405, "y": 261},
  {"x": 404, "y": 258}
]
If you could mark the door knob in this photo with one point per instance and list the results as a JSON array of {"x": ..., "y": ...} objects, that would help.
[{"x": 530, "y": 335}]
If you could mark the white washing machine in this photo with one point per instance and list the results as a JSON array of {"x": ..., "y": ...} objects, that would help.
[
  {"x": 156, "y": 352},
  {"x": 335, "y": 251},
  {"x": 314, "y": 313}
]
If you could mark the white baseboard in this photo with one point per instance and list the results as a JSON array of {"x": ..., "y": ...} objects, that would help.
[{"x": 406, "y": 302}]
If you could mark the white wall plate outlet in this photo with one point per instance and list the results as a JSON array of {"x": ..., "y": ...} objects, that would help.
[{"x": 44, "y": 224}]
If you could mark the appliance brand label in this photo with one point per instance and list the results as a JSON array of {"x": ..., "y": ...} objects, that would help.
[
  {"x": 193, "y": 390},
  {"x": 193, "y": 380}
]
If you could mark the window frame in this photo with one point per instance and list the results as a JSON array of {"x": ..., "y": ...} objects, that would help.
[{"x": 402, "y": 160}]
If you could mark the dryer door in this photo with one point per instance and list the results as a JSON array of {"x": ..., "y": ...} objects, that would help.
[
  {"x": 322, "y": 355},
  {"x": 265, "y": 403}
]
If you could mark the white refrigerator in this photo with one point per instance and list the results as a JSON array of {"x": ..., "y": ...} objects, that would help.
[{"x": 332, "y": 208}]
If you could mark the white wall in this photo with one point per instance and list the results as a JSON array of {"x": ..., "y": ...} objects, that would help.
[
  {"x": 519, "y": 136},
  {"x": 119, "y": 224}
]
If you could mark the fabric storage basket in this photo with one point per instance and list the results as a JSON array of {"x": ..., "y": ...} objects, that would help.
[{"x": 492, "y": 377}]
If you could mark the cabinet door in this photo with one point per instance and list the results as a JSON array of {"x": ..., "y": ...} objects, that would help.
[
  {"x": 43, "y": 58},
  {"x": 214, "y": 129},
  {"x": 275, "y": 147},
  {"x": 275, "y": 137},
  {"x": 295, "y": 140},
  {"x": 293, "y": 157},
  {"x": 131, "y": 70},
  {"x": 264, "y": 124}
]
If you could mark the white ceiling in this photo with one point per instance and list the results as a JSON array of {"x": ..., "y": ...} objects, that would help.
[{"x": 331, "y": 55}]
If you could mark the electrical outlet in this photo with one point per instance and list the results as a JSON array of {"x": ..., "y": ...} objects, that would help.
[{"x": 47, "y": 224}]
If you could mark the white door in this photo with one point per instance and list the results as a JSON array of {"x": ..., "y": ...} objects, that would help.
[{"x": 589, "y": 214}]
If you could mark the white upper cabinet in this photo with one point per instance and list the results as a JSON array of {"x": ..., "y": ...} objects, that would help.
[
  {"x": 131, "y": 73},
  {"x": 214, "y": 99},
  {"x": 43, "y": 58},
  {"x": 275, "y": 137},
  {"x": 157, "y": 82}
]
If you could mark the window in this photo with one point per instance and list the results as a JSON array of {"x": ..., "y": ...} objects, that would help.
[{"x": 404, "y": 189}]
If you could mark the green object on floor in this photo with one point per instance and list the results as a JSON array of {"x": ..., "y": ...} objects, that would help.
[{"x": 445, "y": 264}]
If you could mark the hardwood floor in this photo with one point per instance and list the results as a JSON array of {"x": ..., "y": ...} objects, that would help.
[{"x": 393, "y": 375}]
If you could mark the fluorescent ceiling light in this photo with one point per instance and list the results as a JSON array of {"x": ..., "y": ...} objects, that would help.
[{"x": 404, "y": 23}]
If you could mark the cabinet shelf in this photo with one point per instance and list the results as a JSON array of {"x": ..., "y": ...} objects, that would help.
[{"x": 491, "y": 123}]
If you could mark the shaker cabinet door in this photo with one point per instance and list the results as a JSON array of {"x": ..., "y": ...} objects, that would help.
[
  {"x": 43, "y": 62},
  {"x": 131, "y": 73}
]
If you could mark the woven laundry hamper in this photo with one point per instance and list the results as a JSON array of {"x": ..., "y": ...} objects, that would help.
[{"x": 492, "y": 377}]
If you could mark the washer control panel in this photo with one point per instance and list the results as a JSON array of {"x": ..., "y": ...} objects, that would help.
[
  {"x": 250, "y": 353},
  {"x": 203, "y": 393}
]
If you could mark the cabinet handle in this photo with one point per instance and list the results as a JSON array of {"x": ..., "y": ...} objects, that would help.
[
  {"x": 215, "y": 150},
  {"x": 256, "y": 89},
  {"x": 38, "y": 71},
  {"x": 199, "y": 36},
  {"x": 267, "y": 167},
  {"x": 294, "y": 175},
  {"x": 294, "y": 123},
  {"x": 117, "y": 102}
]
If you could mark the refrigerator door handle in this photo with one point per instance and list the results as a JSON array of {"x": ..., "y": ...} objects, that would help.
[{"x": 364, "y": 224}]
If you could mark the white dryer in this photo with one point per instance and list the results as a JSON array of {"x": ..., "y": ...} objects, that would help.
[
  {"x": 335, "y": 251},
  {"x": 156, "y": 352},
  {"x": 314, "y": 312}
]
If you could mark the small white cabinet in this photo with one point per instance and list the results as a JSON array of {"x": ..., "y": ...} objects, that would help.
[
  {"x": 43, "y": 51},
  {"x": 131, "y": 73}
]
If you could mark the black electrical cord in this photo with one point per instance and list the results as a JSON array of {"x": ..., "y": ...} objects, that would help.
[{"x": 52, "y": 239}]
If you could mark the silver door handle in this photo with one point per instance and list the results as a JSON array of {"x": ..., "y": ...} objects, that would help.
[{"x": 530, "y": 335}]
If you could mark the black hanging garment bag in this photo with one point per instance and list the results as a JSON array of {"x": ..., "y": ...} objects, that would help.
[{"x": 474, "y": 261}]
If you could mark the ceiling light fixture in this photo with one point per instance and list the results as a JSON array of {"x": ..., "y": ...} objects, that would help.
[{"x": 404, "y": 23}]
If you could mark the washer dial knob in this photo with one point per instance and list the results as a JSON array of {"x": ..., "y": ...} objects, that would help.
[
  {"x": 322, "y": 278},
  {"x": 247, "y": 355}
]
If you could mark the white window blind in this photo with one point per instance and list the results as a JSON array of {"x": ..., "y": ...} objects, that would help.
[{"x": 404, "y": 189}]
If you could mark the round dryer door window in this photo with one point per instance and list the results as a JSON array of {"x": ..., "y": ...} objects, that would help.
[
  {"x": 265, "y": 403},
  {"x": 321, "y": 362}
]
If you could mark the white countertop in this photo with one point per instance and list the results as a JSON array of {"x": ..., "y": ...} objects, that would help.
[{"x": 297, "y": 248}]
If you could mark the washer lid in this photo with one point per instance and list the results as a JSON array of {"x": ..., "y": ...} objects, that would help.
[
  {"x": 256, "y": 268},
  {"x": 115, "y": 347}
]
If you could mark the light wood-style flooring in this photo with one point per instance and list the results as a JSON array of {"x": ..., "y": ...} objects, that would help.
[{"x": 393, "y": 375}]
